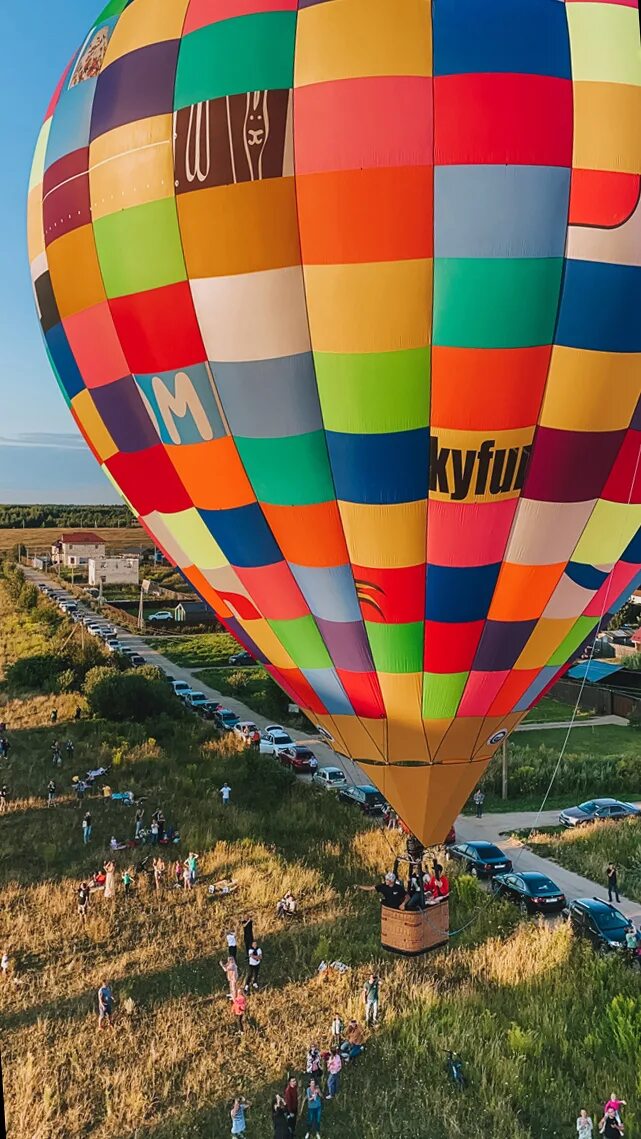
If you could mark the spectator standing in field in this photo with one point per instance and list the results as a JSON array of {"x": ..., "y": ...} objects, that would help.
[
  {"x": 51, "y": 792},
  {"x": 86, "y": 828},
  {"x": 192, "y": 864},
  {"x": 614, "y": 1104},
  {"x": 314, "y": 1102},
  {"x": 279, "y": 1117},
  {"x": 334, "y": 1066},
  {"x": 159, "y": 870},
  {"x": 127, "y": 881},
  {"x": 186, "y": 876},
  {"x": 584, "y": 1126},
  {"x": 154, "y": 832},
  {"x": 238, "y": 1109},
  {"x": 337, "y": 1030},
  {"x": 248, "y": 934},
  {"x": 140, "y": 814},
  {"x": 291, "y": 1104},
  {"x": 54, "y": 716},
  {"x": 110, "y": 879},
  {"x": 255, "y": 959},
  {"x": 479, "y": 799},
  {"x": 4, "y": 795},
  {"x": 232, "y": 944},
  {"x": 370, "y": 996},
  {"x": 230, "y": 969},
  {"x": 613, "y": 882},
  {"x": 609, "y": 1126},
  {"x": 83, "y": 900},
  {"x": 314, "y": 1063},
  {"x": 4, "y": 965},
  {"x": 105, "y": 1006},
  {"x": 178, "y": 872},
  {"x": 239, "y": 1008},
  {"x": 225, "y": 794}
]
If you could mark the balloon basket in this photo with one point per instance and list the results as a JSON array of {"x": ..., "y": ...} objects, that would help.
[{"x": 413, "y": 932}]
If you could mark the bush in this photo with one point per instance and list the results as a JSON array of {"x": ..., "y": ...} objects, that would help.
[
  {"x": 37, "y": 673},
  {"x": 126, "y": 695},
  {"x": 28, "y": 597}
]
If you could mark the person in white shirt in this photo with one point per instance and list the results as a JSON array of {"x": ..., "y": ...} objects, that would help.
[
  {"x": 584, "y": 1125},
  {"x": 254, "y": 957},
  {"x": 232, "y": 944},
  {"x": 225, "y": 794}
]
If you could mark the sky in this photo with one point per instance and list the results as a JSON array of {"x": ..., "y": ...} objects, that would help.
[{"x": 42, "y": 455}]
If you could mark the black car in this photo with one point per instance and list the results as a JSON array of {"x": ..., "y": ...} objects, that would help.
[
  {"x": 533, "y": 893},
  {"x": 602, "y": 923},
  {"x": 596, "y": 809},
  {"x": 136, "y": 661},
  {"x": 483, "y": 859},
  {"x": 208, "y": 710},
  {"x": 242, "y": 658},
  {"x": 370, "y": 801}
]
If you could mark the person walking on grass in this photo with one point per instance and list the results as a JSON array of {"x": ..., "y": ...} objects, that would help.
[
  {"x": 225, "y": 794},
  {"x": 86, "y": 828},
  {"x": 127, "y": 881},
  {"x": 584, "y": 1125},
  {"x": 478, "y": 800},
  {"x": 4, "y": 795},
  {"x": 613, "y": 882},
  {"x": 290, "y": 1095},
  {"x": 105, "y": 1006},
  {"x": 238, "y": 1109},
  {"x": 255, "y": 959},
  {"x": 314, "y": 1101},
  {"x": 334, "y": 1066},
  {"x": 232, "y": 944},
  {"x": 83, "y": 900},
  {"x": 51, "y": 793},
  {"x": 239, "y": 1008},
  {"x": 230, "y": 969},
  {"x": 140, "y": 814},
  {"x": 370, "y": 997}
]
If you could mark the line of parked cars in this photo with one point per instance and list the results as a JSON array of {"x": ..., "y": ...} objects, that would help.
[{"x": 95, "y": 625}]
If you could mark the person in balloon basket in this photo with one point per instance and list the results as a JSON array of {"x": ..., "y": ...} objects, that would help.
[{"x": 391, "y": 889}]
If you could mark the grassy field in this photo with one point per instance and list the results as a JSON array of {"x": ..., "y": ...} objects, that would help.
[
  {"x": 607, "y": 739},
  {"x": 116, "y": 538},
  {"x": 551, "y": 711},
  {"x": 528, "y": 1009},
  {"x": 587, "y": 850},
  {"x": 206, "y": 650}
]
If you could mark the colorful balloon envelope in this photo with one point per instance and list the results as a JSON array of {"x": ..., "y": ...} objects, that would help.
[{"x": 345, "y": 297}]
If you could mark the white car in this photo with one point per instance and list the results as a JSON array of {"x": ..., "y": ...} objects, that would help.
[
  {"x": 331, "y": 778},
  {"x": 274, "y": 740},
  {"x": 114, "y": 647},
  {"x": 162, "y": 615},
  {"x": 194, "y": 699},
  {"x": 180, "y": 687}
]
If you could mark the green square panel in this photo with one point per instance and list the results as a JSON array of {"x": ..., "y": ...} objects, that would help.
[
  {"x": 290, "y": 471},
  {"x": 374, "y": 393},
  {"x": 396, "y": 648},
  {"x": 302, "y": 640},
  {"x": 572, "y": 640},
  {"x": 496, "y": 302},
  {"x": 229, "y": 57},
  {"x": 442, "y": 693},
  {"x": 140, "y": 248}
]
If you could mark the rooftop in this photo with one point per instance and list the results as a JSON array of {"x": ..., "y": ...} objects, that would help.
[{"x": 81, "y": 538}]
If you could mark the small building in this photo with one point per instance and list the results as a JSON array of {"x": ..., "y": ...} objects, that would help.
[
  {"x": 194, "y": 613},
  {"x": 121, "y": 570},
  {"x": 76, "y": 548},
  {"x": 41, "y": 561}
]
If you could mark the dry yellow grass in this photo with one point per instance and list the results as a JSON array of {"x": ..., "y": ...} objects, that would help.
[{"x": 42, "y": 538}]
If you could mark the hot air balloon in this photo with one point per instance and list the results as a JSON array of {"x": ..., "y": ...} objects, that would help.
[{"x": 345, "y": 297}]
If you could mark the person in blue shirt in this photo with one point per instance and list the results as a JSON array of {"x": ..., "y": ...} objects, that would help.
[{"x": 238, "y": 1109}]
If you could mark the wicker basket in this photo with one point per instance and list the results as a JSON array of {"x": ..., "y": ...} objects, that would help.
[{"x": 412, "y": 932}]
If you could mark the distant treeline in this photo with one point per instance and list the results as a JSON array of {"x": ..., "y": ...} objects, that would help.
[{"x": 82, "y": 517}]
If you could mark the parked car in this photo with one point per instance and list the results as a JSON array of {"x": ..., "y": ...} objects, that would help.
[
  {"x": 180, "y": 686},
  {"x": 225, "y": 719},
  {"x": 135, "y": 660},
  {"x": 248, "y": 731},
  {"x": 600, "y": 922},
  {"x": 242, "y": 658},
  {"x": 194, "y": 699},
  {"x": 595, "y": 809},
  {"x": 451, "y": 837},
  {"x": 482, "y": 859},
  {"x": 208, "y": 708},
  {"x": 331, "y": 778},
  {"x": 368, "y": 798},
  {"x": 533, "y": 893},
  {"x": 300, "y": 758},
  {"x": 160, "y": 617},
  {"x": 115, "y": 647},
  {"x": 274, "y": 739}
]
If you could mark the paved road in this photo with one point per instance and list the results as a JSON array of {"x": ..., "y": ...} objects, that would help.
[{"x": 495, "y": 827}]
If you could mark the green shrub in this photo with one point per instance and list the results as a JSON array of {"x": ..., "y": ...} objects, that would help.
[
  {"x": 126, "y": 696},
  {"x": 36, "y": 673}
]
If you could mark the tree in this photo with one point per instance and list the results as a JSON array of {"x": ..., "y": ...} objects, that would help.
[{"x": 126, "y": 696}]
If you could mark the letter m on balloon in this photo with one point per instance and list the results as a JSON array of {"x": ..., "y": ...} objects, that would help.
[{"x": 182, "y": 405}]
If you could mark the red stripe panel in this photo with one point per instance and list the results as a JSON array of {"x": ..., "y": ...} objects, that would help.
[
  {"x": 352, "y": 216},
  {"x": 158, "y": 329},
  {"x": 497, "y": 119},
  {"x": 391, "y": 596},
  {"x": 511, "y": 691},
  {"x": 149, "y": 481},
  {"x": 364, "y": 693},
  {"x": 624, "y": 483},
  {"x": 201, "y": 13},
  {"x": 603, "y": 198},
  {"x": 297, "y": 688},
  {"x": 451, "y": 647}
]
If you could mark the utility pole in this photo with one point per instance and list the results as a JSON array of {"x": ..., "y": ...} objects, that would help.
[
  {"x": 504, "y": 769},
  {"x": 141, "y": 611}
]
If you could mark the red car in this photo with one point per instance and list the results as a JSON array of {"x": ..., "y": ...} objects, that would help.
[{"x": 300, "y": 758}]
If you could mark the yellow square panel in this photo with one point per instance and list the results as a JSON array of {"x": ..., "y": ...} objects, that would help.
[
  {"x": 385, "y": 535},
  {"x": 544, "y": 641},
  {"x": 376, "y": 307},
  {"x": 604, "y": 41},
  {"x": 38, "y": 164},
  {"x": 428, "y": 799},
  {"x": 264, "y": 636},
  {"x": 190, "y": 532},
  {"x": 132, "y": 165},
  {"x": 611, "y": 528},
  {"x": 606, "y": 127},
  {"x": 577, "y": 395},
  {"x": 75, "y": 273},
  {"x": 351, "y": 38},
  {"x": 93, "y": 426},
  {"x": 35, "y": 223},
  {"x": 402, "y": 697},
  {"x": 109, "y": 476},
  {"x": 145, "y": 22},
  {"x": 362, "y": 738}
]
